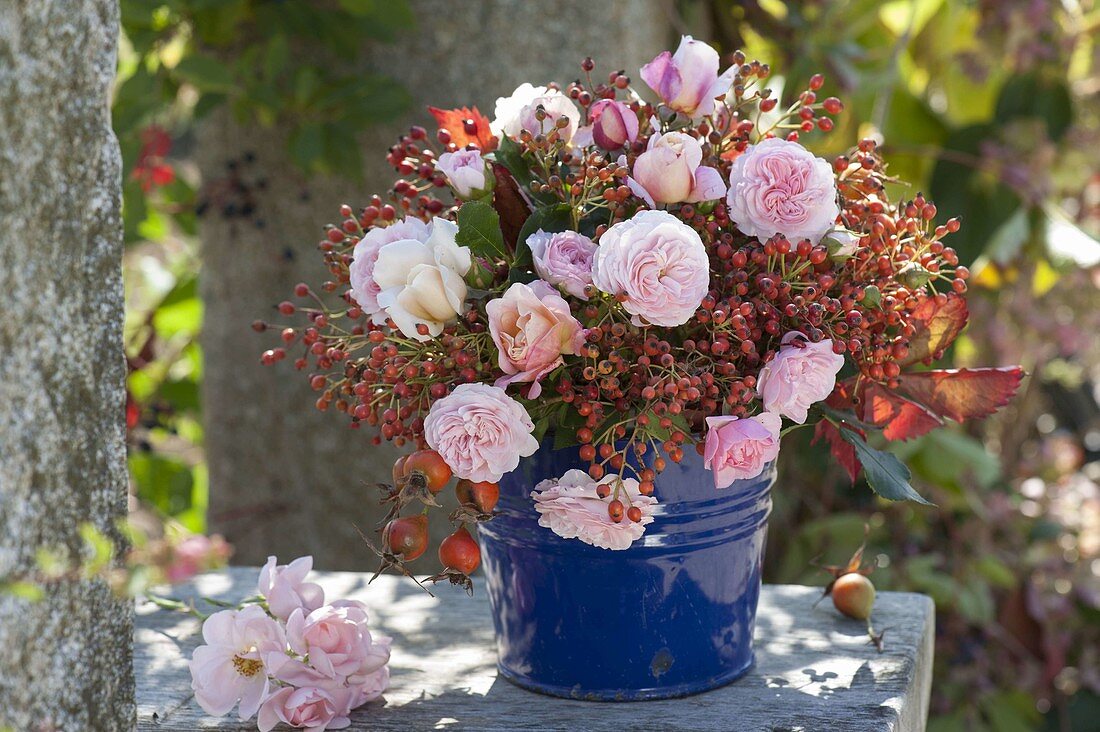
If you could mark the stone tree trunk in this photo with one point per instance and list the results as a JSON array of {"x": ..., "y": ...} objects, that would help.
[
  {"x": 65, "y": 660},
  {"x": 284, "y": 477}
]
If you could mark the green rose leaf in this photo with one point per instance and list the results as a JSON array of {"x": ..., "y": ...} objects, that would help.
[
  {"x": 479, "y": 229},
  {"x": 887, "y": 476}
]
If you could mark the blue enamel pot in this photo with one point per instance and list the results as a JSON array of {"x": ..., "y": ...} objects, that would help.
[{"x": 670, "y": 616}]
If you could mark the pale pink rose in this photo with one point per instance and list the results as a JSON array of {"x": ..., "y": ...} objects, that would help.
[
  {"x": 738, "y": 449},
  {"x": 688, "y": 81},
  {"x": 194, "y": 554},
  {"x": 308, "y": 707},
  {"x": 669, "y": 171},
  {"x": 363, "y": 287},
  {"x": 370, "y": 687},
  {"x": 571, "y": 508},
  {"x": 337, "y": 641},
  {"x": 518, "y": 112},
  {"x": 563, "y": 259},
  {"x": 285, "y": 587},
  {"x": 465, "y": 171},
  {"x": 800, "y": 375},
  {"x": 614, "y": 124},
  {"x": 779, "y": 187},
  {"x": 421, "y": 281},
  {"x": 659, "y": 263},
  {"x": 480, "y": 432},
  {"x": 532, "y": 328},
  {"x": 230, "y": 667}
]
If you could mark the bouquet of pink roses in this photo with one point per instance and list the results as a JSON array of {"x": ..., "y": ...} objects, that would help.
[
  {"x": 634, "y": 278},
  {"x": 289, "y": 657}
]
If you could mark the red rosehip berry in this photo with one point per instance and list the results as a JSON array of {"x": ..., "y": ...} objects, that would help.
[
  {"x": 482, "y": 495},
  {"x": 431, "y": 465},
  {"x": 407, "y": 537},
  {"x": 615, "y": 510},
  {"x": 460, "y": 552}
]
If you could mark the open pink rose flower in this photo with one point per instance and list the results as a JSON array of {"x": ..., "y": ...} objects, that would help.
[
  {"x": 336, "y": 640},
  {"x": 738, "y": 449},
  {"x": 465, "y": 171},
  {"x": 563, "y": 259},
  {"x": 688, "y": 81},
  {"x": 779, "y": 187},
  {"x": 363, "y": 287},
  {"x": 532, "y": 328},
  {"x": 230, "y": 667},
  {"x": 285, "y": 587},
  {"x": 480, "y": 432},
  {"x": 658, "y": 263},
  {"x": 571, "y": 508},
  {"x": 670, "y": 171},
  {"x": 800, "y": 375},
  {"x": 307, "y": 707}
]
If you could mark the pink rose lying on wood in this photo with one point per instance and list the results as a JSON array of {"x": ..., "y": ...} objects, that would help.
[
  {"x": 636, "y": 272},
  {"x": 290, "y": 658}
]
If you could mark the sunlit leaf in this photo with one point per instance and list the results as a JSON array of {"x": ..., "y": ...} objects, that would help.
[
  {"x": 963, "y": 394},
  {"x": 937, "y": 325},
  {"x": 455, "y": 122}
]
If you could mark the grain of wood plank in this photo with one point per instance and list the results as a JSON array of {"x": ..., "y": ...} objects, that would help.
[{"x": 815, "y": 670}]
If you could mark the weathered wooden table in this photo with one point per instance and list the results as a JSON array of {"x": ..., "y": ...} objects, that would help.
[{"x": 815, "y": 670}]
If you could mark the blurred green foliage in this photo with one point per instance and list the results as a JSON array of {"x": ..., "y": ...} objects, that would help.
[{"x": 180, "y": 61}]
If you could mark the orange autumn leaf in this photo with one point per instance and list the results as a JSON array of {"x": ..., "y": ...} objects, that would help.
[{"x": 467, "y": 126}]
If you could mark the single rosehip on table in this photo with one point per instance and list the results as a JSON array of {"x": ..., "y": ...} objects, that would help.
[{"x": 854, "y": 595}]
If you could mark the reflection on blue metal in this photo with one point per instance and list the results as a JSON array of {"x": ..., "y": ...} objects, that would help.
[{"x": 670, "y": 616}]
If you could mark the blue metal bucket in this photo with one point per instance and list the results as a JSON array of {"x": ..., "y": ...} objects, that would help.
[{"x": 670, "y": 616}]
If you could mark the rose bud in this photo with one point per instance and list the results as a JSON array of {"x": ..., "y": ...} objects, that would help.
[{"x": 614, "y": 124}]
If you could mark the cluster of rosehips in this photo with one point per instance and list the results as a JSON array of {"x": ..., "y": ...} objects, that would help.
[{"x": 417, "y": 479}]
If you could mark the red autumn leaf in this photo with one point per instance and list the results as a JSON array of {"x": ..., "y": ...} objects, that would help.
[
  {"x": 937, "y": 326},
  {"x": 509, "y": 205},
  {"x": 842, "y": 451},
  {"x": 841, "y": 398},
  {"x": 466, "y": 126},
  {"x": 900, "y": 418},
  {"x": 963, "y": 394}
]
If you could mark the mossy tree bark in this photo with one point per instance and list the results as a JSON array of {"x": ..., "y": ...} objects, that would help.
[
  {"x": 283, "y": 477},
  {"x": 65, "y": 660}
]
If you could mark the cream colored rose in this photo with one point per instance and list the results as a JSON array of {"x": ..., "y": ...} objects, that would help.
[{"x": 421, "y": 283}]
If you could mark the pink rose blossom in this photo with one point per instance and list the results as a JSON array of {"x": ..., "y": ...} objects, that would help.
[
  {"x": 779, "y": 187},
  {"x": 194, "y": 554},
  {"x": 614, "y": 124},
  {"x": 571, "y": 508},
  {"x": 285, "y": 589},
  {"x": 800, "y": 375},
  {"x": 688, "y": 81},
  {"x": 738, "y": 449},
  {"x": 370, "y": 687},
  {"x": 659, "y": 264},
  {"x": 480, "y": 432},
  {"x": 563, "y": 259},
  {"x": 518, "y": 112},
  {"x": 363, "y": 287},
  {"x": 230, "y": 667},
  {"x": 336, "y": 640},
  {"x": 308, "y": 707},
  {"x": 532, "y": 328},
  {"x": 669, "y": 171},
  {"x": 465, "y": 171}
]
